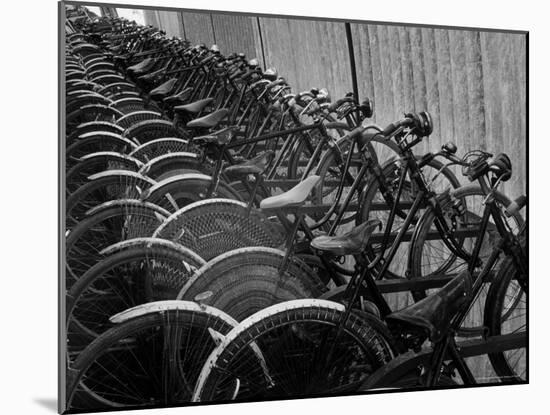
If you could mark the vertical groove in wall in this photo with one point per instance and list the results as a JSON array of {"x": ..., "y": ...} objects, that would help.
[
  {"x": 459, "y": 84},
  {"x": 198, "y": 28},
  {"x": 473, "y": 83},
  {"x": 407, "y": 79},
  {"x": 474, "y": 74},
  {"x": 397, "y": 86},
  {"x": 182, "y": 24},
  {"x": 386, "y": 68},
  {"x": 418, "y": 69},
  {"x": 446, "y": 101},
  {"x": 431, "y": 78},
  {"x": 259, "y": 29},
  {"x": 352, "y": 64},
  {"x": 362, "y": 36},
  {"x": 378, "y": 96},
  {"x": 212, "y": 24}
]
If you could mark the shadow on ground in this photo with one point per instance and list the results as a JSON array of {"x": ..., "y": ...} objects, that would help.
[{"x": 48, "y": 403}]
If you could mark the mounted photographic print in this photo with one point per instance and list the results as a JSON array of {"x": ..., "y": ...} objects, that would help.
[{"x": 260, "y": 207}]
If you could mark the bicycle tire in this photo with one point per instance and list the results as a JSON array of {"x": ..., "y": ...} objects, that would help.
[
  {"x": 247, "y": 280},
  {"x": 131, "y": 273},
  {"x": 89, "y": 113},
  {"x": 152, "y": 129},
  {"x": 159, "y": 147},
  {"x": 176, "y": 192},
  {"x": 421, "y": 246},
  {"x": 420, "y": 237},
  {"x": 94, "y": 163},
  {"x": 293, "y": 338},
  {"x": 102, "y": 187},
  {"x": 371, "y": 195},
  {"x": 129, "y": 119},
  {"x": 498, "y": 301},
  {"x": 187, "y": 326},
  {"x": 92, "y": 126},
  {"x": 97, "y": 141},
  {"x": 171, "y": 164},
  {"x": 104, "y": 225},
  {"x": 300, "y": 153}
]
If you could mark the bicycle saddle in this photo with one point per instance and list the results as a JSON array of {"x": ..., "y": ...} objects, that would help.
[
  {"x": 149, "y": 77},
  {"x": 142, "y": 66},
  {"x": 162, "y": 90},
  {"x": 293, "y": 197},
  {"x": 433, "y": 314},
  {"x": 181, "y": 97},
  {"x": 194, "y": 107},
  {"x": 210, "y": 120},
  {"x": 351, "y": 243},
  {"x": 220, "y": 137},
  {"x": 255, "y": 165}
]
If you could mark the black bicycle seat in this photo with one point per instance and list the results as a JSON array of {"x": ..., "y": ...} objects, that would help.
[
  {"x": 210, "y": 120},
  {"x": 179, "y": 97},
  {"x": 142, "y": 66},
  {"x": 255, "y": 165},
  {"x": 351, "y": 243},
  {"x": 219, "y": 138},
  {"x": 194, "y": 107},
  {"x": 294, "y": 197},
  {"x": 150, "y": 76},
  {"x": 163, "y": 90},
  {"x": 434, "y": 313}
]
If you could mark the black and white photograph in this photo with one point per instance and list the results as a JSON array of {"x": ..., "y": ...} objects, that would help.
[{"x": 264, "y": 207}]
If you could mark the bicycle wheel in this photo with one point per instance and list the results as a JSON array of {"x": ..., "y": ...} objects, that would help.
[
  {"x": 105, "y": 225},
  {"x": 89, "y": 113},
  {"x": 247, "y": 280},
  {"x": 91, "y": 164},
  {"x": 159, "y": 147},
  {"x": 430, "y": 257},
  {"x": 92, "y": 126},
  {"x": 132, "y": 118},
  {"x": 176, "y": 192},
  {"x": 102, "y": 187},
  {"x": 214, "y": 226},
  {"x": 330, "y": 169},
  {"x": 171, "y": 164},
  {"x": 305, "y": 351},
  {"x": 151, "y": 359},
  {"x": 128, "y": 105},
  {"x": 506, "y": 313},
  {"x": 97, "y": 141},
  {"x": 131, "y": 273},
  {"x": 152, "y": 129},
  {"x": 303, "y": 150},
  {"x": 373, "y": 204}
]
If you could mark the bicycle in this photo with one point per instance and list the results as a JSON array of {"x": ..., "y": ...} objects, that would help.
[{"x": 437, "y": 317}]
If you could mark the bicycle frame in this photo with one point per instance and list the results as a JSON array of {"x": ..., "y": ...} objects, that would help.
[{"x": 447, "y": 348}]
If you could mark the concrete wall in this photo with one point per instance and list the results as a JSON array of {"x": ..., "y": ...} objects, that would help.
[{"x": 472, "y": 82}]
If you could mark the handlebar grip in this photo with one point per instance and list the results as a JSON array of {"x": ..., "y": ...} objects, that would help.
[
  {"x": 516, "y": 205},
  {"x": 341, "y": 101},
  {"x": 391, "y": 128}
]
